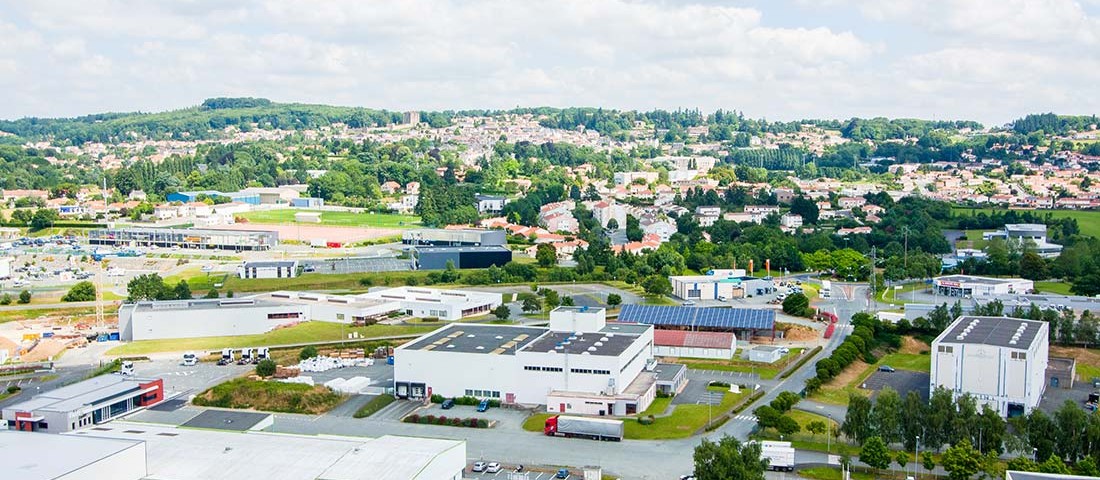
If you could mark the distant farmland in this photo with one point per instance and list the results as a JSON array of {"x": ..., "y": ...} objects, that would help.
[{"x": 1087, "y": 220}]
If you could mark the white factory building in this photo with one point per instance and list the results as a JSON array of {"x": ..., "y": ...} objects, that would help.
[
  {"x": 719, "y": 285},
  {"x": 151, "y": 320},
  {"x": 998, "y": 361},
  {"x": 1033, "y": 233},
  {"x": 268, "y": 269},
  {"x": 435, "y": 303},
  {"x": 580, "y": 364},
  {"x": 137, "y": 451},
  {"x": 971, "y": 286}
]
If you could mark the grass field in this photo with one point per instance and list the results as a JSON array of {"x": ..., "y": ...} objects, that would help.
[
  {"x": 836, "y": 394},
  {"x": 12, "y": 315},
  {"x": 766, "y": 371},
  {"x": 376, "y": 404},
  {"x": 336, "y": 219},
  {"x": 302, "y": 333},
  {"x": 1088, "y": 221},
  {"x": 1059, "y": 288}
]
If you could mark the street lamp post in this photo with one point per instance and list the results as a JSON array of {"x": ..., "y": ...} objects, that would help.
[{"x": 916, "y": 455}]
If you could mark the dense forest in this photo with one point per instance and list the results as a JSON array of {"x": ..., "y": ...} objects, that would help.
[{"x": 1053, "y": 124}]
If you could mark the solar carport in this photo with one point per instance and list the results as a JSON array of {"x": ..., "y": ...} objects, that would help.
[{"x": 744, "y": 322}]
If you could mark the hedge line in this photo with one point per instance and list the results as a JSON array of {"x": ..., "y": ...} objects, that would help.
[
  {"x": 802, "y": 361},
  {"x": 447, "y": 421}
]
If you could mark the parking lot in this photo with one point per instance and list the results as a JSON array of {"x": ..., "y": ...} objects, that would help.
[
  {"x": 696, "y": 393},
  {"x": 506, "y": 418},
  {"x": 903, "y": 381},
  {"x": 188, "y": 380},
  {"x": 507, "y": 472}
]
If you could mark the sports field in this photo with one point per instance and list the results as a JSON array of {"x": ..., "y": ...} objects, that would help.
[
  {"x": 1087, "y": 220},
  {"x": 285, "y": 216}
]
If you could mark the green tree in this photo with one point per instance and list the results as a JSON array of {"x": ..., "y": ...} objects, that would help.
[
  {"x": 213, "y": 293},
  {"x": 1023, "y": 464},
  {"x": 857, "y": 422},
  {"x": 265, "y": 368},
  {"x": 816, "y": 427},
  {"x": 25, "y": 297},
  {"x": 614, "y": 300},
  {"x": 1032, "y": 266},
  {"x": 787, "y": 426},
  {"x": 567, "y": 301},
  {"x": 5, "y": 299},
  {"x": 887, "y": 415},
  {"x": 875, "y": 454},
  {"x": 1053, "y": 464},
  {"x": 901, "y": 459},
  {"x": 766, "y": 417},
  {"x": 785, "y": 401},
  {"x": 551, "y": 298},
  {"x": 531, "y": 303},
  {"x": 728, "y": 459},
  {"x": 308, "y": 352},
  {"x": 502, "y": 312},
  {"x": 546, "y": 255},
  {"x": 147, "y": 287},
  {"x": 796, "y": 304},
  {"x": 81, "y": 292},
  {"x": 43, "y": 218},
  {"x": 962, "y": 461},
  {"x": 182, "y": 291},
  {"x": 657, "y": 285},
  {"x": 927, "y": 460}
]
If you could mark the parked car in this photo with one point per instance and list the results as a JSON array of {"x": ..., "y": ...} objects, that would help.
[
  {"x": 886, "y": 368},
  {"x": 479, "y": 466},
  {"x": 447, "y": 404},
  {"x": 562, "y": 473},
  {"x": 483, "y": 406},
  {"x": 493, "y": 467}
]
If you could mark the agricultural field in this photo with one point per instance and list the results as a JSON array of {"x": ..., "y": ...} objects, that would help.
[{"x": 335, "y": 219}]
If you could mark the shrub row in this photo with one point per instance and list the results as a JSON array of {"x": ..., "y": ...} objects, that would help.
[
  {"x": 754, "y": 397},
  {"x": 465, "y": 400},
  {"x": 857, "y": 345},
  {"x": 802, "y": 361},
  {"x": 447, "y": 421}
]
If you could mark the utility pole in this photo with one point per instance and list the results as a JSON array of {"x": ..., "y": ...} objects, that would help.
[{"x": 874, "y": 307}]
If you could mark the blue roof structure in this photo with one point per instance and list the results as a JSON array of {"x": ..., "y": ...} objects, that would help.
[{"x": 697, "y": 317}]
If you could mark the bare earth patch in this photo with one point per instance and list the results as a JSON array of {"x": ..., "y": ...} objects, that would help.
[
  {"x": 305, "y": 233},
  {"x": 912, "y": 345},
  {"x": 849, "y": 375}
]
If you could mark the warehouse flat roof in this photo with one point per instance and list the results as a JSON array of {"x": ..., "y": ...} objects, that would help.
[
  {"x": 996, "y": 331},
  {"x": 731, "y": 318},
  {"x": 88, "y": 392},
  {"x": 46, "y": 456},
  {"x": 204, "y": 304},
  {"x": 603, "y": 344},
  {"x": 431, "y": 295},
  {"x": 233, "y": 420},
  {"x": 308, "y": 298},
  {"x": 476, "y": 338},
  {"x": 271, "y": 263},
  {"x": 215, "y": 455},
  {"x": 627, "y": 328},
  {"x": 667, "y": 372}
]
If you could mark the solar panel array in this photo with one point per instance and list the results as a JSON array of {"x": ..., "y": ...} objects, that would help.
[{"x": 732, "y": 318}]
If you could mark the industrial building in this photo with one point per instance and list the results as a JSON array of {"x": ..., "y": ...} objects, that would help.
[
  {"x": 91, "y": 402},
  {"x": 237, "y": 240},
  {"x": 469, "y": 237},
  {"x": 1034, "y": 233},
  {"x": 322, "y": 307},
  {"x": 436, "y": 258},
  {"x": 41, "y": 456},
  {"x": 133, "y": 451},
  {"x": 720, "y": 285},
  {"x": 971, "y": 286},
  {"x": 251, "y": 198},
  {"x": 150, "y": 320},
  {"x": 441, "y": 304},
  {"x": 683, "y": 343},
  {"x": 580, "y": 364},
  {"x": 744, "y": 322},
  {"x": 999, "y": 361},
  {"x": 766, "y": 353},
  {"x": 268, "y": 269}
]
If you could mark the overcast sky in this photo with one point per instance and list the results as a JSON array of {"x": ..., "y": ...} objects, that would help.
[{"x": 987, "y": 60}]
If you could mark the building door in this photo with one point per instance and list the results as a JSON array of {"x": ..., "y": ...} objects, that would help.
[
  {"x": 509, "y": 398},
  {"x": 561, "y": 407}
]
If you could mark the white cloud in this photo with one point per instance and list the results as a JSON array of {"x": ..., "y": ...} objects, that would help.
[{"x": 115, "y": 55}]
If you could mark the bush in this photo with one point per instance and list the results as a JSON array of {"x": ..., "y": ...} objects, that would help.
[
  {"x": 265, "y": 368},
  {"x": 796, "y": 304},
  {"x": 456, "y": 422},
  {"x": 12, "y": 389},
  {"x": 373, "y": 406},
  {"x": 441, "y": 420},
  {"x": 663, "y": 394},
  {"x": 716, "y": 383},
  {"x": 81, "y": 292},
  {"x": 426, "y": 419},
  {"x": 482, "y": 423},
  {"x": 24, "y": 297},
  {"x": 646, "y": 419},
  {"x": 414, "y": 418},
  {"x": 6, "y": 299},
  {"x": 437, "y": 398},
  {"x": 308, "y": 352}
]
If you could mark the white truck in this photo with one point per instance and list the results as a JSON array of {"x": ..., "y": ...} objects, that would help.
[
  {"x": 127, "y": 368},
  {"x": 190, "y": 359},
  {"x": 227, "y": 357},
  {"x": 780, "y": 455},
  {"x": 246, "y": 356},
  {"x": 582, "y": 427},
  {"x": 262, "y": 353}
]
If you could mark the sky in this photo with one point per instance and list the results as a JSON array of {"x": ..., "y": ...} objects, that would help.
[{"x": 985, "y": 60}]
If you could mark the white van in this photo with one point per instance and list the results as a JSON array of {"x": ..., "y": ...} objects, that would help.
[
  {"x": 190, "y": 359},
  {"x": 127, "y": 368}
]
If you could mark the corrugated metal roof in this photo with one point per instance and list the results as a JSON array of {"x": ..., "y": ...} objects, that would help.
[{"x": 683, "y": 338}]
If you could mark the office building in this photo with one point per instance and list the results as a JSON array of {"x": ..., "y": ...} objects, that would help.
[
  {"x": 82, "y": 404},
  {"x": 236, "y": 240},
  {"x": 435, "y": 303},
  {"x": 436, "y": 258},
  {"x": 1033, "y": 234},
  {"x": 682, "y": 343},
  {"x": 439, "y": 237},
  {"x": 720, "y": 285},
  {"x": 971, "y": 286},
  {"x": 268, "y": 269}
]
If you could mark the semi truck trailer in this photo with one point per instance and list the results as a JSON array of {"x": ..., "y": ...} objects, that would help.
[
  {"x": 780, "y": 455},
  {"x": 581, "y": 427}
]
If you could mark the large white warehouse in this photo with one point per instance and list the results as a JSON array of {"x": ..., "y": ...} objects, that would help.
[
  {"x": 441, "y": 304},
  {"x": 971, "y": 286},
  {"x": 580, "y": 364},
  {"x": 999, "y": 361},
  {"x": 152, "y": 320}
]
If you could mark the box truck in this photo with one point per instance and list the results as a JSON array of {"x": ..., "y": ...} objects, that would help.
[
  {"x": 581, "y": 427},
  {"x": 780, "y": 455}
]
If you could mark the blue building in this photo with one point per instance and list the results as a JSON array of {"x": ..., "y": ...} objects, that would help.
[{"x": 188, "y": 197}]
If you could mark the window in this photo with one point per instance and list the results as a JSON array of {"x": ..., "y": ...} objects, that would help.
[
  {"x": 536, "y": 368},
  {"x": 696, "y": 293},
  {"x": 339, "y": 316},
  {"x": 1019, "y": 355},
  {"x": 273, "y": 316},
  {"x": 590, "y": 371},
  {"x": 946, "y": 349}
]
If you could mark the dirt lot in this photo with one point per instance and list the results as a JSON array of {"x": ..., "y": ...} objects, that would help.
[
  {"x": 850, "y": 374},
  {"x": 306, "y": 233},
  {"x": 912, "y": 345}
]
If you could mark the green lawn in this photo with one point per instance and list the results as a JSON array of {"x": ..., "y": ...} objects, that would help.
[
  {"x": 302, "y": 333},
  {"x": 376, "y": 404},
  {"x": 838, "y": 395},
  {"x": 658, "y": 406},
  {"x": 1086, "y": 372},
  {"x": 1088, "y": 221},
  {"x": 1059, "y": 288},
  {"x": 907, "y": 361},
  {"x": 767, "y": 371},
  {"x": 899, "y": 296},
  {"x": 12, "y": 315},
  {"x": 338, "y": 219},
  {"x": 831, "y": 473}
]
